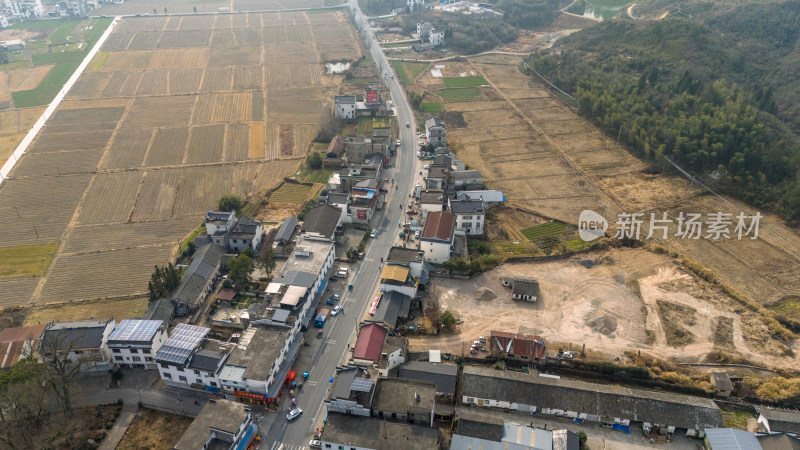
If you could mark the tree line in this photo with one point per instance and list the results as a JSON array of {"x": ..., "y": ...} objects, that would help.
[{"x": 678, "y": 88}]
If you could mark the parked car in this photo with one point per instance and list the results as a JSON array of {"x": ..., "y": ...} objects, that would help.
[
  {"x": 331, "y": 301},
  {"x": 336, "y": 310},
  {"x": 336, "y": 297},
  {"x": 426, "y": 166},
  {"x": 342, "y": 272},
  {"x": 373, "y": 234},
  {"x": 416, "y": 234},
  {"x": 408, "y": 124},
  {"x": 293, "y": 414},
  {"x": 398, "y": 143},
  {"x": 315, "y": 443},
  {"x": 412, "y": 212}
]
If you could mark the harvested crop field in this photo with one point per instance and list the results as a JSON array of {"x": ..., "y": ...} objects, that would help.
[
  {"x": 611, "y": 301},
  {"x": 168, "y": 117}
]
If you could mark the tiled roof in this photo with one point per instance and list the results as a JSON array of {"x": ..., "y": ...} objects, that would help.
[
  {"x": 395, "y": 273},
  {"x": 369, "y": 343},
  {"x": 440, "y": 225}
]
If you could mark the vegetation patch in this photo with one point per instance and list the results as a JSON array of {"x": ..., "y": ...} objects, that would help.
[
  {"x": 431, "y": 107},
  {"x": 367, "y": 124},
  {"x": 320, "y": 176},
  {"x": 723, "y": 333},
  {"x": 464, "y": 82},
  {"x": 26, "y": 260},
  {"x": 59, "y": 37},
  {"x": 47, "y": 88},
  {"x": 407, "y": 72},
  {"x": 460, "y": 94},
  {"x": 118, "y": 309},
  {"x": 291, "y": 193},
  {"x": 676, "y": 318}
]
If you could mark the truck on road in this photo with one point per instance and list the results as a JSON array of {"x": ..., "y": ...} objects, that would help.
[{"x": 319, "y": 322}]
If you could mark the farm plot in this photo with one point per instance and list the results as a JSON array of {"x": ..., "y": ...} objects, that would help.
[
  {"x": 147, "y": 24},
  {"x": 250, "y": 36},
  {"x": 237, "y": 142},
  {"x": 129, "y": 61},
  {"x": 217, "y": 79},
  {"x": 273, "y": 35},
  {"x": 290, "y": 52},
  {"x": 239, "y": 56},
  {"x": 117, "y": 41},
  {"x": 297, "y": 101},
  {"x": 247, "y": 78},
  {"x": 28, "y": 78},
  {"x": 223, "y": 22},
  {"x": 145, "y": 40},
  {"x": 291, "y": 193},
  {"x": 49, "y": 141},
  {"x": 17, "y": 291},
  {"x": 298, "y": 33},
  {"x": 199, "y": 23},
  {"x": 224, "y": 107},
  {"x": 223, "y": 38},
  {"x": 199, "y": 184},
  {"x": 262, "y": 176},
  {"x": 206, "y": 144},
  {"x": 160, "y": 112},
  {"x": 110, "y": 198},
  {"x": 128, "y": 148},
  {"x": 122, "y": 84},
  {"x": 186, "y": 58},
  {"x": 153, "y": 83},
  {"x": 74, "y": 113},
  {"x": 168, "y": 147},
  {"x": 185, "y": 81},
  {"x": 49, "y": 203},
  {"x": 187, "y": 38},
  {"x": 119, "y": 309},
  {"x": 75, "y": 277},
  {"x": 256, "y": 141},
  {"x": 290, "y": 75},
  {"x": 118, "y": 236},
  {"x": 90, "y": 85},
  {"x": 156, "y": 195},
  {"x": 60, "y": 163}
]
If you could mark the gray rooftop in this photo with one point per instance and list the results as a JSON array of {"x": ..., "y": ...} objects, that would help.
[
  {"x": 433, "y": 121},
  {"x": 722, "y": 381},
  {"x": 205, "y": 261},
  {"x": 784, "y": 420},
  {"x": 79, "y": 335},
  {"x": 779, "y": 441},
  {"x": 343, "y": 384},
  {"x": 287, "y": 229},
  {"x": 206, "y": 360},
  {"x": 436, "y": 197},
  {"x": 244, "y": 227},
  {"x": 443, "y": 375},
  {"x": 222, "y": 415},
  {"x": 466, "y": 206},
  {"x": 337, "y": 198},
  {"x": 465, "y": 174},
  {"x": 344, "y": 99},
  {"x": 357, "y": 431},
  {"x": 481, "y": 429},
  {"x": 322, "y": 220},
  {"x": 259, "y": 355},
  {"x": 400, "y": 395},
  {"x": 297, "y": 278},
  {"x": 310, "y": 264},
  {"x": 731, "y": 439},
  {"x": 217, "y": 216},
  {"x": 597, "y": 399},
  {"x": 403, "y": 255},
  {"x": 525, "y": 286},
  {"x": 394, "y": 305}
]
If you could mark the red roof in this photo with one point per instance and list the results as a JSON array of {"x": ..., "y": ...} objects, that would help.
[
  {"x": 13, "y": 343},
  {"x": 439, "y": 225},
  {"x": 227, "y": 294},
  {"x": 370, "y": 342},
  {"x": 517, "y": 344}
]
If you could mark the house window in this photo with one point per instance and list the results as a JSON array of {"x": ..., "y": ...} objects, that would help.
[
  {"x": 213, "y": 384},
  {"x": 134, "y": 350},
  {"x": 168, "y": 376},
  {"x": 197, "y": 372},
  {"x": 467, "y": 217},
  {"x": 198, "y": 381},
  {"x": 165, "y": 366},
  {"x": 137, "y": 359},
  {"x": 146, "y": 351},
  {"x": 118, "y": 358},
  {"x": 115, "y": 350},
  {"x": 78, "y": 352},
  {"x": 182, "y": 378},
  {"x": 148, "y": 359}
]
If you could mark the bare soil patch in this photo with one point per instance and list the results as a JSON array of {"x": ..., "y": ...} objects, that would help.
[
  {"x": 677, "y": 320},
  {"x": 154, "y": 430},
  {"x": 28, "y": 78}
]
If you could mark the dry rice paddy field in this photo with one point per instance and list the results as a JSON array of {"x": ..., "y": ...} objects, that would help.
[
  {"x": 172, "y": 113},
  {"x": 548, "y": 160}
]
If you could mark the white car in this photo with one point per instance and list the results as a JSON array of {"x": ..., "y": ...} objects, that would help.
[
  {"x": 373, "y": 234},
  {"x": 336, "y": 310},
  {"x": 293, "y": 414},
  {"x": 336, "y": 297},
  {"x": 315, "y": 443},
  {"x": 342, "y": 273},
  {"x": 427, "y": 166},
  {"x": 398, "y": 143}
]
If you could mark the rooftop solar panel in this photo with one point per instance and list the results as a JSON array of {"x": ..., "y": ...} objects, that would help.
[
  {"x": 361, "y": 385},
  {"x": 179, "y": 346},
  {"x": 135, "y": 330}
]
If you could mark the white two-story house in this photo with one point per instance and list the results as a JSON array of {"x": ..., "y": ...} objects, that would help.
[
  {"x": 183, "y": 362},
  {"x": 470, "y": 215},
  {"x": 134, "y": 343},
  {"x": 438, "y": 237}
]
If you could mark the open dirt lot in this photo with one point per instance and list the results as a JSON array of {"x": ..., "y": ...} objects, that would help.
[
  {"x": 609, "y": 301},
  {"x": 165, "y": 121}
]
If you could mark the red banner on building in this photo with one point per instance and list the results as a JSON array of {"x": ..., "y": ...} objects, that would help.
[
  {"x": 361, "y": 214},
  {"x": 250, "y": 395},
  {"x": 371, "y": 97}
]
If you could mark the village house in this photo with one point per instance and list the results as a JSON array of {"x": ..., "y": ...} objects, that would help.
[
  {"x": 221, "y": 424},
  {"x": 774, "y": 420},
  {"x": 352, "y": 392},
  {"x": 393, "y": 353},
  {"x": 443, "y": 376},
  {"x": 435, "y": 131},
  {"x": 83, "y": 342},
  {"x": 394, "y": 307},
  {"x": 490, "y": 198},
  {"x": 438, "y": 237},
  {"x": 343, "y": 431},
  {"x": 321, "y": 222},
  {"x": 345, "y": 179},
  {"x": 199, "y": 279},
  {"x": 462, "y": 179},
  {"x": 431, "y": 200},
  {"x": 470, "y": 215},
  {"x": 411, "y": 258},
  {"x": 590, "y": 402},
  {"x": 730, "y": 438},
  {"x": 344, "y": 107},
  {"x": 19, "y": 342},
  {"x": 134, "y": 343},
  {"x": 218, "y": 224},
  {"x": 438, "y": 177},
  {"x": 480, "y": 433},
  {"x": 224, "y": 230},
  {"x": 334, "y": 155},
  {"x": 365, "y": 198},
  {"x": 286, "y": 231},
  {"x": 396, "y": 278},
  {"x": 523, "y": 288},
  {"x": 402, "y": 400},
  {"x": 367, "y": 351},
  {"x": 521, "y": 347},
  {"x": 253, "y": 362},
  {"x": 184, "y": 362},
  {"x": 722, "y": 384},
  {"x": 436, "y": 37},
  {"x": 378, "y": 141},
  {"x": 423, "y": 29}
]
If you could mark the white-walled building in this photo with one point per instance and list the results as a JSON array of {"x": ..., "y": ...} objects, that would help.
[
  {"x": 438, "y": 236},
  {"x": 436, "y": 37},
  {"x": 182, "y": 361},
  {"x": 435, "y": 131},
  {"x": 470, "y": 215},
  {"x": 134, "y": 343},
  {"x": 344, "y": 106},
  {"x": 221, "y": 424},
  {"x": 3, "y": 21},
  {"x": 85, "y": 342},
  {"x": 23, "y": 9},
  {"x": 229, "y": 233},
  {"x": 415, "y": 4}
]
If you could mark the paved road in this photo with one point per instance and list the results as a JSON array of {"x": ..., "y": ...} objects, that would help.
[{"x": 340, "y": 329}]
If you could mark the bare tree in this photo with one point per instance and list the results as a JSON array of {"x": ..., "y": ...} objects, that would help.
[{"x": 63, "y": 355}]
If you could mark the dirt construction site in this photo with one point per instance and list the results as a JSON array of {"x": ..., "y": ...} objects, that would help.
[
  {"x": 611, "y": 301},
  {"x": 170, "y": 115}
]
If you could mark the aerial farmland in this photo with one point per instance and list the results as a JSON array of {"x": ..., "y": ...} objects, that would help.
[{"x": 170, "y": 115}]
